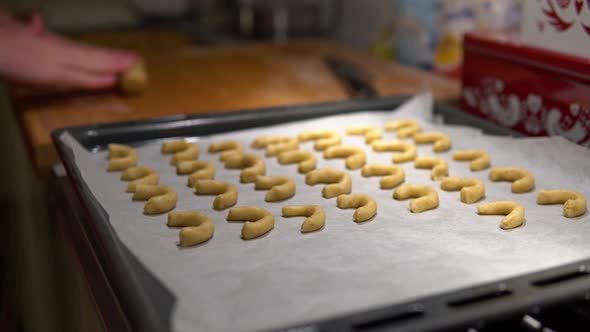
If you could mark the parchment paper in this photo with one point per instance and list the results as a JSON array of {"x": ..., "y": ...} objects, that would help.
[{"x": 287, "y": 278}]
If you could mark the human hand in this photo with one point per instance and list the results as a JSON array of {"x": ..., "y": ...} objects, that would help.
[{"x": 32, "y": 56}]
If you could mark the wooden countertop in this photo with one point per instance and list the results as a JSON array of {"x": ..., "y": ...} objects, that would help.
[{"x": 193, "y": 79}]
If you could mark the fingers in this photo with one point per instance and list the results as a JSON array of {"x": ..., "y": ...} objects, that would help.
[
  {"x": 37, "y": 24},
  {"x": 89, "y": 67},
  {"x": 6, "y": 18},
  {"x": 93, "y": 59},
  {"x": 72, "y": 77},
  {"x": 33, "y": 24},
  {"x": 53, "y": 61}
]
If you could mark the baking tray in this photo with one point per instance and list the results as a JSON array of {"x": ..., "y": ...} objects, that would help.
[{"x": 148, "y": 304}]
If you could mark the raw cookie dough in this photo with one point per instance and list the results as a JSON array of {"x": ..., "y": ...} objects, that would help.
[
  {"x": 405, "y": 128},
  {"x": 174, "y": 146},
  {"x": 190, "y": 153},
  {"x": 182, "y": 151},
  {"x": 316, "y": 216},
  {"x": 251, "y": 164},
  {"x": 480, "y": 159},
  {"x": 439, "y": 166},
  {"x": 472, "y": 190},
  {"x": 276, "y": 149},
  {"x": 275, "y": 145},
  {"x": 574, "y": 203},
  {"x": 227, "y": 194},
  {"x": 440, "y": 142},
  {"x": 307, "y": 160},
  {"x": 159, "y": 198},
  {"x": 264, "y": 141},
  {"x": 196, "y": 227},
  {"x": 135, "y": 79},
  {"x": 355, "y": 157},
  {"x": 371, "y": 133},
  {"x": 339, "y": 182},
  {"x": 227, "y": 148},
  {"x": 514, "y": 212},
  {"x": 426, "y": 198},
  {"x": 281, "y": 187},
  {"x": 522, "y": 180},
  {"x": 365, "y": 205},
  {"x": 139, "y": 175},
  {"x": 392, "y": 174},
  {"x": 324, "y": 138},
  {"x": 198, "y": 170},
  {"x": 407, "y": 150},
  {"x": 257, "y": 221},
  {"x": 121, "y": 157}
]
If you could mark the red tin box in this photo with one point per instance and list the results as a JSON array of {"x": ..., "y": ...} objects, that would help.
[{"x": 530, "y": 90}]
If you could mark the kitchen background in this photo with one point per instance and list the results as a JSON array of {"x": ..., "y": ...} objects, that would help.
[{"x": 421, "y": 33}]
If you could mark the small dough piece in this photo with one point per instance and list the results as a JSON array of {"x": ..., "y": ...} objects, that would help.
[
  {"x": 407, "y": 150},
  {"x": 198, "y": 170},
  {"x": 139, "y": 175},
  {"x": 574, "y": 203},
  {"x": 324, "y": 138},
  {"x": 513, "y": 211},
  {"x": 227, "y": 148},
  {"x": 371, "y": 133},
  {"x": 281, "y": 187},
  {"x": 522, "y": 180},
  {"x": 441, "y": 142},
  {"x": 276, "y": 149},
  {"x": 339, "y": 182},
  {"x": 121, "y": 157},
  {"x": 135, "y": 172},
  {"x": 439, "y": 166},
  {"x": 190, "y": 153},
  {"x": 227, "y": 194},
  {"x": 251, "y": 164},
  {"x": 196, "y": 227},
  {"x": 174, "y": 146},
  {"x": 472, "y": 190},
  {"x": 355, "y": 157},
  {"x": 275, "y": 145},
  {"x": 257, "y": 221},
  {"x": 135, "y": 79},
  {"x": 392, "y": 174},
  {"x": 426, "y": 198},
  {"x": 264, "y": 141},
  {"x": 405, "y": 128},
  {"x": 118, "y": 150},
  {"x": 316, "y": 216},
  {"x": 307, "y": 160},
  {"x": 182, "y": 150},
  {"x": 159, "y": 198},
  {"x": 480, "y": 159},
  {"x": 365, "y": 205}
]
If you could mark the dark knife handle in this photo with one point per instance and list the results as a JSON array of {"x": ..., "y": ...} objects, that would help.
[{"x": 356, "y": 79}]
